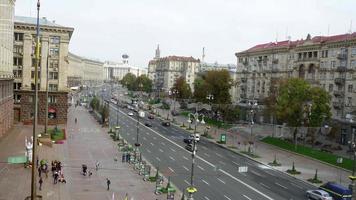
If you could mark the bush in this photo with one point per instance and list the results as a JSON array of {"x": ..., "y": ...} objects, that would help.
[{"x": 293, "y": 170}]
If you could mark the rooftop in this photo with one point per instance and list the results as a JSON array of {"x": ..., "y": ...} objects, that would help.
[
  {"x": 179, "y": 58},
  {"x": 309, "y": 40},
  {"x": 32, "y": 20}
]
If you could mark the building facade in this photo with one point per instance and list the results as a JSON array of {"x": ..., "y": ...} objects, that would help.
[
  {"x": 6, "y": 60},
  {"x": 165, "y": 71},
  {"x": 328, "y": 62},
  {"x": 54, "y": 41},
  {"x": 116, "y": 70}
]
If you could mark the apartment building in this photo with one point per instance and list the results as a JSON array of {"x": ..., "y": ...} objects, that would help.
[
  {"x": 328, "y": 62},
  {"x": 54, "y": 39},
  {"x": 6, "y": 59},
  {"x": 168, "y": 69}
]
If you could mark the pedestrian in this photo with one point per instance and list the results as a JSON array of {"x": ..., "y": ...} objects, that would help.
[
  {"x": 127, "y": 157},
  {"x": 46, "y": 170},
  {"x": 97, "y": 165},
  {"x": 108, "y": 183},
  {"x": 55, "y": 179},
  {"x": 39, "y": 171},
  {"x": 90, "y": 173},
  {"x": 37, "y": 161},
  {"x": 123, "y": 157},
  {"x": 40, "y": 182}
]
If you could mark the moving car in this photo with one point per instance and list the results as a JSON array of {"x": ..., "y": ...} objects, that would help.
[
  {"x": 166, "y": 123},
  {"x": 318, "y": 195},
  {"x": 195, "y": 137},
  {"x": 148, "y": 124},
  {"x": 188, "y": 140},
  {"x": 189, "y": 147},
  {"x": 337, "y": 191},
  {"x": 130, "y": 114}
]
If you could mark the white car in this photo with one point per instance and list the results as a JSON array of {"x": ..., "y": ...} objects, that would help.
[
  {"x": 130, "y": 114},
  {"x": 195, "y": 137},
  {"x": 318, "y": 195}
]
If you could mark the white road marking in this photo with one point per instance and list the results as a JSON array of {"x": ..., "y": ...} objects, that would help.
[
  {"x": 185, "y": 158},
  {"x": 148, "y": 151},
  {"x": 300, "y": 187},
  {"x": 281, "y": 185},
  {"x": 147, "y": 133},
  {"x": 221, "y": 162},
  {"x": 154, "y": 138},
  {"x": 161, "y": 150},
  {"x": 206, "y": 198},
  {"x": 158, "y": 159},
  {"x": 204, "y": 147},
  {"x": 207, "y": 162},
  {"x": 256, "y": 173},
  {"x": 201, "y": 167},
  {"x": 206, "y": 154},
  {"x": 171, "y": 169},
  {"x": 247, "y": 197},
  {"x": 235, "y": 163},
  {"x": 221, "y": 181},
  {"x": 204, "y": 181},
  {"x": 227, "y": 197},
  {"x": 171, "y": 158},
  {"x": 264, "y": 185},
  {"x": 144, "y": 138},
  {"x": 185, "y": 168},
  {"x": 219, "y": 155},
  {"x": 186, "y": 182},
  {"x": 151, "y": 143},
  {"x": 172, "y": 150},
  {"x": 163, "y": 143}
]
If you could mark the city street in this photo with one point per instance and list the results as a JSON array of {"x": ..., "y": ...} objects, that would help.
[{"x": 215, "y": 175}]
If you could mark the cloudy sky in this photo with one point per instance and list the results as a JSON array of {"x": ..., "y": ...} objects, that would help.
[{"x": 106, "y": 29}]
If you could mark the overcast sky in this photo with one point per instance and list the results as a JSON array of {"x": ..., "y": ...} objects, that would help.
[{"x": 106, "y": 29}]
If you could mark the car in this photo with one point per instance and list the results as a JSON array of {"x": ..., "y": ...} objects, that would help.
[
  {"x": 337, "y": 191},
  {"x": 189, "y": 147},
  {"x": 130, "y": 114},
  {"x": 150, "y": 116},
  {"x": 148, "y": 124},
  {"x": 166, "y": 123},
  {"x": 187, "y": 140},
  {"x": 174, "y": 113},
  {"x": 195, "y": 137},
  {"x": 318, "y": 195}
]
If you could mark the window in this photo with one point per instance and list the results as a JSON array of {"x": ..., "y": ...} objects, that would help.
[
  {"x": 349, "y": 101},
  {"x": 17, "y": 98},
  {"x": 17, "y": 73},
  {"x": 53, "y": 76},
  {"x": 333, "y": 64},
  {"x": 353, "y": 63},
  {"x": 33, "y": 74},
  {"x": 53, "y": 64},
  {"x": 18, "y": 49},
  {"x": 315, "y": 54},
  {"x": 331, "y": 87},
  {"x": 17, "y": 86},
  {"x": 17, "y": 61},
  {"x": 54, "y": 51},
  {"x": 18, "y": 36},
  {"x": 321, "y": 64},
  {"x": 55, "y": 40},
  {"x": 52, "y": 87},
  {"x": 31, "y": 99},
  {"x": 350, "y": 88},
  {"x": 34, "y": 62},
  {"x": 52, "y": 99},
  {"x": 353, "y": 52}
]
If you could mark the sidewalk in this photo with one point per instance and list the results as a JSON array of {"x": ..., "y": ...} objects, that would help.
[
  {"x": 266, "y": 153},
  {"x": 86, "y": 143}
]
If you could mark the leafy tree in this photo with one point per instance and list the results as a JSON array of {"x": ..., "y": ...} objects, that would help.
[
  {"x": 183, "y": 89},
  {"x": 299, "y": 104},
  {"x": 129, "y": 81},
  {"x": 145, "y": 82},
  {"x": 104, "y": 112},
  {"x": 200, "y": 91},
  {"x": 218, "y": 84},
  {"x": 94, "y": 103},
  {"x": 229, "y": 112}
]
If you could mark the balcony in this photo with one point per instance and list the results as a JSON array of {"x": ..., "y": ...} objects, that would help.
[
  {"x": 243, "y": 96},
  {"x": 341, "y": 56},
  {"x": 340, "y": 81},
  {"x": 244, "y": 80},
  {"x": 337, "y": 105},
  {"x": 312, "y": 59},
  {"x": 275, "y": 61},
  {"x": 338, "y": 93},
  {"x": 341, "y": 68}
]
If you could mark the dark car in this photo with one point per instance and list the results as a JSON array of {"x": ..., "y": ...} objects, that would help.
[
  {"x": 188, "y": 140},
  {"x": 166, "y": 123},
  {"x": 148, "y": 124},
  {"x": 337, "y": 191},
  {"x": 174, "y": 113},
  {"x": 189, "y": 147},
  {"x": 150, "y": 116}
]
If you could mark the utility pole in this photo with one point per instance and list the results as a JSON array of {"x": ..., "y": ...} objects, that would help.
[
  {"x": 46, "y": 118},
  {"x": 34, "y": 135}
]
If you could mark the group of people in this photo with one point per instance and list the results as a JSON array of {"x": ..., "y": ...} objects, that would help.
[{"x": 56, "y": 168}]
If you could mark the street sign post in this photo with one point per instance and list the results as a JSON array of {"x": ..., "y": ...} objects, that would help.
[{"x": 223, "y": 138}]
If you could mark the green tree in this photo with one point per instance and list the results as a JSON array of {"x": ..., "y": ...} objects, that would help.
[
  {"x": 183, "y": 89},
  {"x": 200, "y": 91},
  {"x": 145, "y": 82},
  {"x": 94, "y": 103},
  {"x": 129, "y": 81},
  {"x": 299, "y": 104},
  {"x": 104, "y": 112}
]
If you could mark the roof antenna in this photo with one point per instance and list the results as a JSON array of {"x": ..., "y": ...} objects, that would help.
[
  {"x": 350, "y": 27},
  {"x": 276, "y": 37}
]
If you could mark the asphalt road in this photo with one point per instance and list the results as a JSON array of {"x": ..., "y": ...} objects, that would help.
[{"x": 215, "y": 174}]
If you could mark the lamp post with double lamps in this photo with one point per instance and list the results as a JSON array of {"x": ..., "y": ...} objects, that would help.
[
  {"x": 253, "y": 106},
  {"x": 191, "y": 189},
  {"x": 174, "y": 92}
]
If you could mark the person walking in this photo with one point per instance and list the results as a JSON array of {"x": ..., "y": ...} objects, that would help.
[
  {"x": 55, "y": 178},
  {"x": 108, "y": 182},
  {"x": 39, "y": 171},
  {"x": 97, "y": 164},
  {"x": 40, "y": 182}
]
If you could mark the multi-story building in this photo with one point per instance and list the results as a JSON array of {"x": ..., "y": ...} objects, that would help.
[
  {"x": 84, "y": 71},
  {"x": 54, "y": 40},
  {"x": 328, "y": 62},
  {"x": 151, "y": 72},
  {"x": 116, "y": 70},
  {"x": 169, "y": 69},
  {"x": 6, "y": 59}
]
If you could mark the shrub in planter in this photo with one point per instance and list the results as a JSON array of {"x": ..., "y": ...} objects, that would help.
[
  {"x": 293, "y": 170},
  {"x": 315, "y": 180},
  {"x": 275, "y": 162}
]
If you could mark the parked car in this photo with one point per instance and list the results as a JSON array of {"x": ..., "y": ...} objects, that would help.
[
  {"x": 318, "y": 195},
  {"x": 337, "y": 191},
  {"x": 166, "y": 123},
  {"x": 150, "y": 116},
  {"x": 130, "y": 114},
  {"x": 148, "y": 124},
  {"x": 188, "y": 140},
  {"x": 174, "y": 113},
  {"x": 189, "y": 147}
]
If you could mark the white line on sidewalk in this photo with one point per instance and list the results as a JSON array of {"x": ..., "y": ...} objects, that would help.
[
  {"x": 151, "y": 144},
  {"x": 201, "y": 168},
  {"x": 247, "y": 197},
  {"x": 161, "y": 150},
  {"x": 172, "y": 150},
  {"x": 221, "y": 181},
  {"x": 206, "y": 198},
  {"x": 227, "y": 197},
  {"x": 158, "y": 159},
  {"x": 281, "y": 185},
  {"x": 185, "y": 168},
  {"x": 204, "y": 181},
  {"x": 171, "y": 169},
  {"x": 171, "y": 158},
  {"x": 148, "y": 151},
  {"x": 185, "y": 158}
]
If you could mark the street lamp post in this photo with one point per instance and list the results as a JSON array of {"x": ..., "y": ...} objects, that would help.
[
  {"x": 191, "y": 190},
  {"x": 137, "y": 144},
  {"x": 253, "y": 105}
]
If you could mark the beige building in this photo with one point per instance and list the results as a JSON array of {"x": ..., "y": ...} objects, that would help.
[
  {"x": 165, "y": 71},
  {"x": 6, "y": 60},
  {"x": 84, "y": 71},
  {"x": 54, "y": 41},
  {"x": 116, "y": 70},
  {"x": 328, "y": 62}
]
